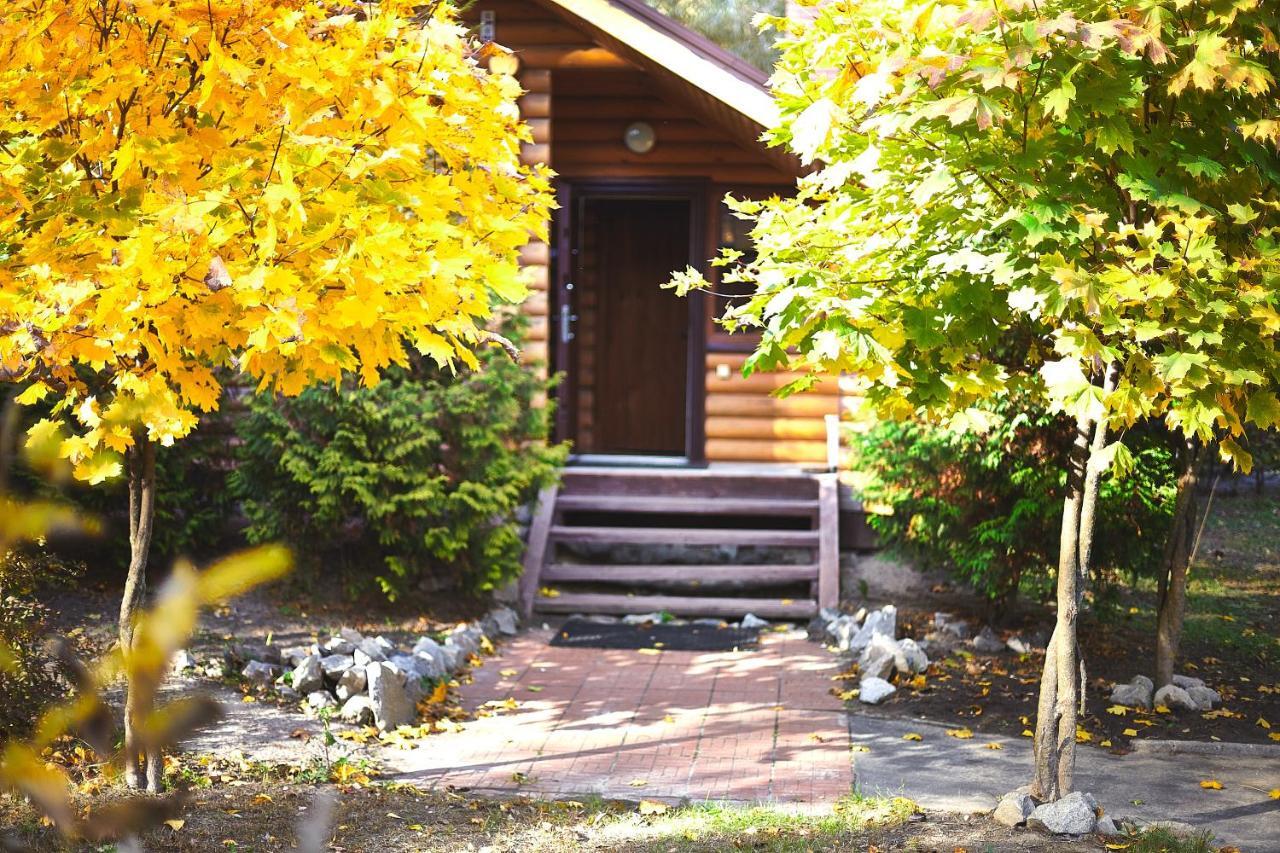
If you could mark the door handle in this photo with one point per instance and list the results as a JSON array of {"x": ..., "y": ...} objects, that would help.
[{"x": 567, "y": 320}]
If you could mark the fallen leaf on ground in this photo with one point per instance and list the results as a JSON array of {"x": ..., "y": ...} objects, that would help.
[
  {"x": 1275, "y": 794},
  {"x": 993, "y": 745},
  {"x": 912, "y": 736},
  {"x": 508, "y": 673},
  {"x": 650, "y": 807},
  {"x": 1028, "y": 733},
  {"x": 638, "y": 783},
  {"x": 1130, "y": 732},
  {"x": 961, "y": 733},
  {"x": 1211, "y": 784},
  {"x": 175, "y": 824},
  {"x": 1263, "y": 722},
  {"x": 1118, "y": 710}
]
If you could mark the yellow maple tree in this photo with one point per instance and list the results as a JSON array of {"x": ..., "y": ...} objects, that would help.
[{"x": 286, "y": 189}]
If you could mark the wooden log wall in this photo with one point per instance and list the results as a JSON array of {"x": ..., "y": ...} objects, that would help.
[{"x": 580, "y": 99}]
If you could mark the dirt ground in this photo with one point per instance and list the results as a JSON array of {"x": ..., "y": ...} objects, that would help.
[
  {"x": 1231, "y": 640},
  {"x": 254, "y": 816}
]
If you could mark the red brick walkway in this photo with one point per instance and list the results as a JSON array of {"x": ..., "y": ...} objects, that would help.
[{"x": 743, "y": 726}]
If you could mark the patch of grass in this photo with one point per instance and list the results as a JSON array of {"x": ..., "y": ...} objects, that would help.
[
  {"x": 1160, "y": 840},
  {"x": 766, "y": 827}
]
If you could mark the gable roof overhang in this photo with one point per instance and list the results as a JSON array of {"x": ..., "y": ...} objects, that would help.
[{"x": 727, "y": 90}]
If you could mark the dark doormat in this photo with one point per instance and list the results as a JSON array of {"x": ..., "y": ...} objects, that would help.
[{"x": 583, "y": 633}]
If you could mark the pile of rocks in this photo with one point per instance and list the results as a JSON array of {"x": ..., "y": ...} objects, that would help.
[
  {"x": 1075, "y": 814},
  {"x": 369, "y": 680},
  {"x": 1184, "y": 694},
  {"x": 871, "y": 636}
]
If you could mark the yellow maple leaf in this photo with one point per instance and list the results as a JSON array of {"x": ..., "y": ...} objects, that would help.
[
  {"x": 963, "y": 733},
  {"x": 993, "y": 745},
  {"x": 652, "y": 807},
  {"x": 1263, "y": 722},
  {"x": 175, "y": 824},
  {"x": 1118, "y": 710},
  {"x": 1028, "y": 733},
  {"x": 1274, "y": 794},
  {"x": 913, "y": 736},
  {"x": 1211, "y": 784},
  {"x": 1130, "y": 732}
]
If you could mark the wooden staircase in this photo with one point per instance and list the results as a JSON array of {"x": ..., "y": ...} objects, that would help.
[{"x": 657, "y": 508}]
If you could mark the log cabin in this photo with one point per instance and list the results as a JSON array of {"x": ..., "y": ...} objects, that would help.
[{"x": 647, "y": 126}]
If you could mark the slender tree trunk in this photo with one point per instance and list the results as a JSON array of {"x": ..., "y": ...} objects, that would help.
[
  {"x": 143, "y": 768},
  {"x": 1055, "y": 737},
  {"x": 1173, "y": 571},
  {"x": 1062, "y": 684}
]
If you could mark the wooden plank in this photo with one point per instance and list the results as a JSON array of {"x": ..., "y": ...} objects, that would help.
[
  {"x": 725, "y": 174},
  {"x": 764, "y": 383},
  {"x": 630, "y": 109},
  {"x": 766, "y": 450},
  {"x": 689, "y": 506},
  {"x": 516, "y": 34},
  {"x": 571, "y": 56},
  {"x": 535, "y": 105},
  {"x": 534, "y": 351},
  {"x": 707, "y": 485},
  {"x": 535, "y": 305},
  {"x": 685, "y": 536},
  {"x": 664, "y": 151},
  {"x": 535, "y": 80},
  {"x": 535, "y": 252},
  {"x": 540, "y": 128},
  {"x": 829, "y": 541},
  {"x": 611, "y": 130},
  {"x": 584, "y": 602},
  {"x": 808, "y": 429},
  {"x": 745, "y": 575},
  {"x": 535, "y": 552},
  {"x": 761, "y": 406},
  {"x": 536, "y": 276},
  {"x": 533, "y": 153}
]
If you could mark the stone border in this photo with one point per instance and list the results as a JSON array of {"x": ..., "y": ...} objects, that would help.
[{"x": 1160, "y": 746}]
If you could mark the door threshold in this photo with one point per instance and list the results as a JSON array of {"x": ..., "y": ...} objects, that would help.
[{"x": 630, "y": 460}]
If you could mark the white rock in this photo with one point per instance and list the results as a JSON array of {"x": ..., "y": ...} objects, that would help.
[
  {"x": 371, "y": 649},
  {"x": 412, "y": 666},
  {"x": 642, "y": 618},
  {"x": 987, "y": 642},
  {"x": 1014, "y": 808},
  {"x": 828, "y": 614},
  {"x": 295, "y": 655},
  {"x": 339, "y": 646},
  {"x": 320, "y": 699},
  {"x": 1135, "y": 694},
  {"x": 1106, "y": 826},
  {"x": 1175, "y": 698},
  {"x": 183, "y": 659},
  {"x": 308, "y": 676},
  {"x": 873, "y": 691},
  {"x": 391, "y": 704},
  {"x": 358, "y": 710},
  {"x": 451, "y": 658},
  {"x": 753, "y": 621},
  {"x": 909, "y": 658},
  {"x": 351, "y": 635},
  {"x": 351, "y": 683},
  {"x": 507, "y": 621},
  {"x": 842, "y": 629},
  {"x": 1204, "y": 697},
  {"x": 334, "y": 665},
  {"x": 1017, "y": 645},
  {"x": 877, "y": 659},
  {"x": 1071, "y": 815},
  {"x": 260, "y": 672},
  {"x": 883, "y": 621},
  {"x": 386, "y": 645},
  {"x": 1187, "y": 681}
]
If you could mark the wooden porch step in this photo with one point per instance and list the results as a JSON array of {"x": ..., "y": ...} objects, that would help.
[
  {"x": 687, "y": 484},
  {"x": 685, "y": 536},
  {"x": 686, "y": 505},
  {"x": 677, "y": 605},
  {"x": 699, "y": 576}
]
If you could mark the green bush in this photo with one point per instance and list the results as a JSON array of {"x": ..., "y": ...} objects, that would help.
[
  {"x": 194, "y": 507},
  {"x": 417, "y": 477},
  {"x": 987, "y": 507}
]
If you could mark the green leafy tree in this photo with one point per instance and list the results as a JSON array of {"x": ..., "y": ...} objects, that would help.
[
  {"x": 1071, "y": 201},
  {"x": 729, "y": 23}
]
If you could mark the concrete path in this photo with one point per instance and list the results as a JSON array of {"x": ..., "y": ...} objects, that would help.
[
  {"x": 732, "y": 726},
  {"x": 945, "y": 773}
]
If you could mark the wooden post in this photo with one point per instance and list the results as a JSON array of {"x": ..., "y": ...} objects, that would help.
[
  {"x": 535, "y": 552},
  {"x": 828, "y": 540}
]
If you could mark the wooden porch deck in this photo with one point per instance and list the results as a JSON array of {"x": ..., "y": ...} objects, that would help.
[{"x": 690, "y": 520}]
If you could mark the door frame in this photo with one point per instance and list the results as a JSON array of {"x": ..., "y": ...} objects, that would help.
[{"x": 571, "y": 196}]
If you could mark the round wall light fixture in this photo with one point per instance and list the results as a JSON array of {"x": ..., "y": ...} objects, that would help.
[{"x": 639, "y": 137}]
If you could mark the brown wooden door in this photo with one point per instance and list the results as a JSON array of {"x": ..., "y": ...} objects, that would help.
[{"x": 632, "y": 338}]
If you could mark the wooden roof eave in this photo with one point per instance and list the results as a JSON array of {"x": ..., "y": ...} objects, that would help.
[{"x": 722, "y": 87}]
